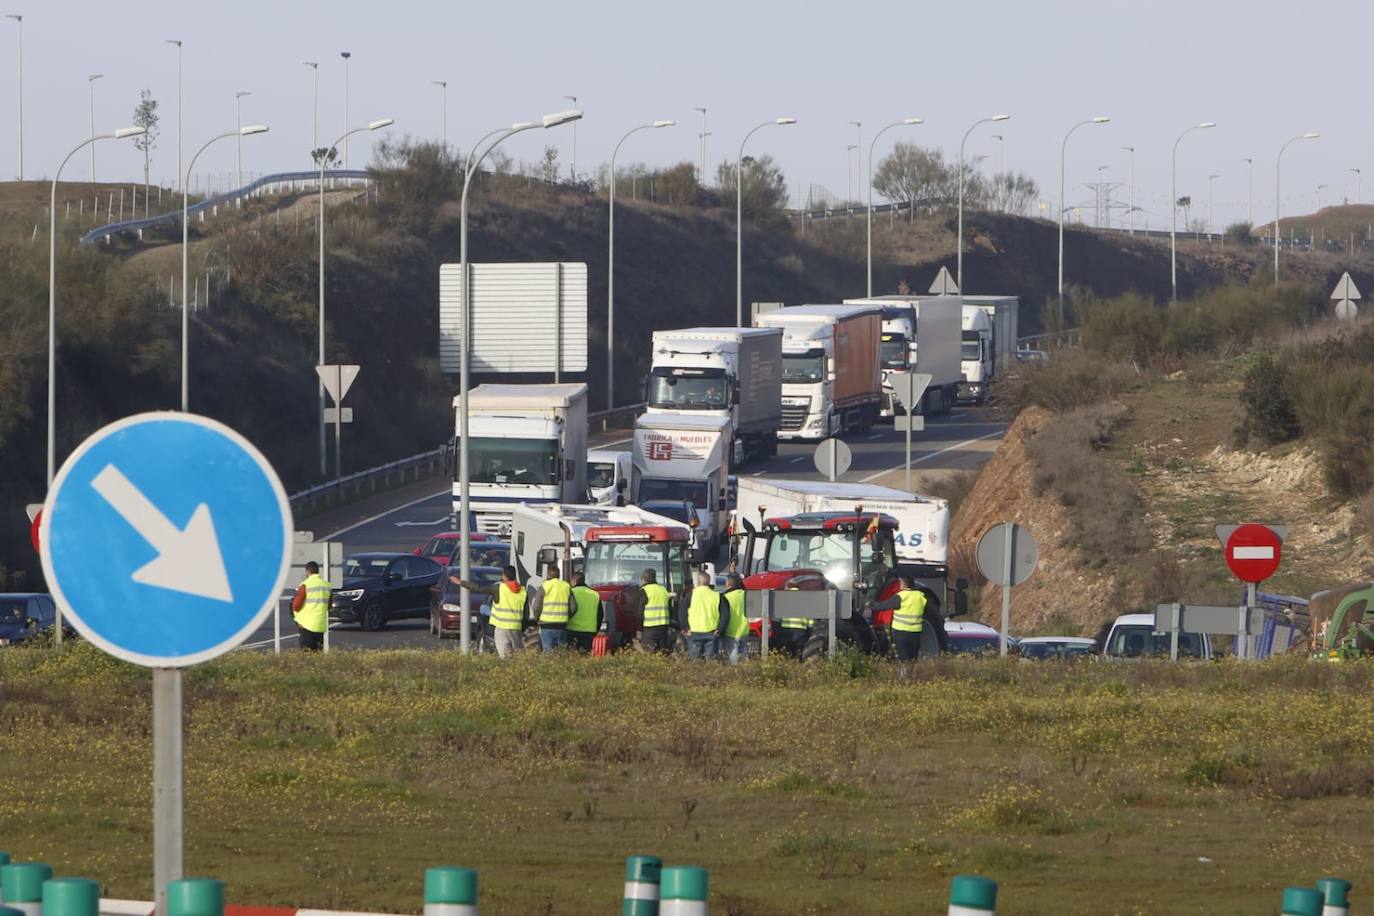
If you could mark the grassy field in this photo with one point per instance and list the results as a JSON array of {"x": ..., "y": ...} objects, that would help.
[{"x": 829, "y": 788}]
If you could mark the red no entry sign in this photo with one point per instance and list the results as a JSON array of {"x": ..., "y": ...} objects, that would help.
[
  {"x": 33, "y": 529},
  {"x": 1253, "y": 552}
]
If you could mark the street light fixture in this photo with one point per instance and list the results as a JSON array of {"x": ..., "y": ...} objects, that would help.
[
  {"x": 701, "y": 139},
  {"x": 347, "y": 58},
  {"x": 1278, "y": 189},
  {"x": 610, "y": 265},
  {"x": 19, "y": 91},
  {"x": 1173, "y": 209},
  {"x": 90, "y": 84},
  {"x": 739, "y": 216},
  {"x": 905, "y": 122},
  {"x": 1063, "y": 148},
  {"x": 1250, "y": 190},
  {"x": 443, "y": 88},
  {"x": 177, "y": 42},
  {"x": 849, "y": 168},
  {"x": 572, "y": 167},
  {"x": 238, "y": 145},
  {"x": 959, "y": 258},
  {"x": 464, "y": 501},
  {"x": 314, "y": 66},
  {"x": 1320, "y": 188},
  {"x": 324, "y": 158}
]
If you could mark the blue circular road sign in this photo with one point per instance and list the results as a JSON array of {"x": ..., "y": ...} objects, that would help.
[{"x": 166, "y": 539}]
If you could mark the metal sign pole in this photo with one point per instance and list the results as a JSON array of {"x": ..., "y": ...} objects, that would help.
[
  {"x": 1010, "y": 535},
  {"x": 909, "y": 412},
  {"x": 1173, "y": 632},
  {"x": 276, "y": 629},
  {"x": 767, "y": 623},
  {"x": 834, "y": 609},
  {"x": 328, "y": 565},
  {"x": 168, "y": 782},
  {"x": 558, "y": 322},
  {"x": 1243, "y": 631},
  {"x": 338, "y": 424},
  {"x": 834, "y": 458}
]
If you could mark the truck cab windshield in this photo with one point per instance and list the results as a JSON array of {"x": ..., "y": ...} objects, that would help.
[
  {"x": 689, "y": 389},
  {"x": 523, "y": 461},
  {"x": 971, "y": 348},
  {"x": 600, "y": 474},
  {"x": 692, "y": 491},
  {"x": 894, "y": 351},
  {"x": 623, "y": 564},
  {"x": 804, "y": 368},
  {"x": 832, "y": 554}
]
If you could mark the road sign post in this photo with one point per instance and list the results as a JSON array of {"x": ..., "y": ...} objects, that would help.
[
  {"x": 1253, "y": 553},
  {"x": 1007, "y": 555},
  {"x": 337, "y": 380},
  {"x": 1345, "y": 293},
  {"x": 909, "y": 388},
  {"x": 165, "y": 541},
  {"x": 833, "y": 458}
]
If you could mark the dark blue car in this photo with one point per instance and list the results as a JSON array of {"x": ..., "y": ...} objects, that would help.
[
  {"x": 24, "y": 615},
  {"x": 381, "y": 587}
]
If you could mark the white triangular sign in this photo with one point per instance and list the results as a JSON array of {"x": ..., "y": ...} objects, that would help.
[
  {"x": 1345, "y": 288},
  {"x": 337, "y": 379},
  {"x": 944, "y": 284}
]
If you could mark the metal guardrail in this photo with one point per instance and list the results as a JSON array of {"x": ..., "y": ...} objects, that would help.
[
  {"x": 138, "y": 225},
  {"x": 1066, "y": 338}
]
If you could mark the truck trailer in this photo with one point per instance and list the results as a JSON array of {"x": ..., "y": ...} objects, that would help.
[
  {"x": 930, "y": 327},
  {"x": 684, "y": 458},
  {"x": 989, "y": 342}
]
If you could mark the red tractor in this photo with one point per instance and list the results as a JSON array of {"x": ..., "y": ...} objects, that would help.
[{"x": 616, "y": 557}]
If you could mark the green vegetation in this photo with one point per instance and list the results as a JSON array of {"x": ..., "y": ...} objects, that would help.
[{"x": 332, "y": 781}]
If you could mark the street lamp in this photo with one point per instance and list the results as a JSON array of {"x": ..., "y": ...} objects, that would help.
[
  {"x": 1278, "y": 189},
  {"x": 739, "y": 216},
  {"x": 177, "y": 42},
  {"x": 610, "y": 266},
  {"x": 849, "y": 168},
  {"x": 572, "y": 167},
  {"x": 1001, "y": 163},
  {"x": 314, "y": 66},
  {"x": 1063, "y": 148},
  {"x": 464, "y": 502},
  {"x": 347, "y": 57},
  {"x": 1173, "y": 209},
  {"x": 1210, "y": 180},
  {"x": 1250, "y": 190},
  {"x": 238, "y": 144},
  {"x": 19, "y": 92},
  {"x": 959, "y": 263},
  {"x": 1320, "y": 188},
  {"x": 90, "y": 83},
  {"x": 1130, "y": 206},
  {"x": 905, "y": 122},
  {"x": 1357, "y": 184},
  {"x": 185, "y": 272},
  {"x": 324, "y": 158},
  {"x": 443, "y": 91},
  {"x": 701, "y": 139},
  {"x": 1100, "y": 196}
]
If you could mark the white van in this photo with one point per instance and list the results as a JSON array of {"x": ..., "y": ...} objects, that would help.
[
  {"x": 608, "y": 477},
  {"x": 1135, "y": 636}
]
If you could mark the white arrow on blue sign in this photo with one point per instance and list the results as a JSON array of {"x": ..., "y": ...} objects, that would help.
[{"x": 166, "y": 539}]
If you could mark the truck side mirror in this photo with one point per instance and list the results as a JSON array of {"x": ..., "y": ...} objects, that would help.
[
  {"x": 722, "y": 506},
  {"x": 450, "y": 449},
  {"x": 621, "y": 484},
  {"x": 960, "y": 598},
  {"x": 547, "y": 557}
]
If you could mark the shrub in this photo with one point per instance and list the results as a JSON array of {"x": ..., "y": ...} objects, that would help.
[
  {"x": 1240, "y": 233},
  {"x": 1071, "y": 378},
  {"x": 1270, "y": 416}
]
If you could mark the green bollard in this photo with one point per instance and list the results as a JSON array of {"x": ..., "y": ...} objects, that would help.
[
  {"x": 71, "y": 897},
  {"x": 195, "y": 897},
  {"x": 450, "y": 892},
  {"x": 970, "y": 895},
  {"x": 641, "y": 886},
  {"x": 4, "y": 860},
  {"x": 21, "y": 886},
  {"x": 1301, "y": 901},
  {"x": 1336, "y": 892},
  {"x": 683, "y": 891}
]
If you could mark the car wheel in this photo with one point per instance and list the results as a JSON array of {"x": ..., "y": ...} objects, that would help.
[{"x": 374, "y": 616}]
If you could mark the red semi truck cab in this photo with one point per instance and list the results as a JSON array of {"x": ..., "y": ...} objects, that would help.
[{"x": 616, "y": 557}]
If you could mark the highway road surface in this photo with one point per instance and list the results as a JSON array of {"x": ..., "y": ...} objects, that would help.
[{"x": 962, "y": 441}]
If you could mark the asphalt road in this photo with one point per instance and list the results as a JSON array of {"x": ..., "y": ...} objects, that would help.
[{"x": 962, "y": 441}]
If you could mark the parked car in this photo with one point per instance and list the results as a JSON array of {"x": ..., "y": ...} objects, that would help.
[
  {"x": 483, "y": 549},
  {"x": 380, "y": 587},
  {"x": 1032, "y": 357},
  {"x": 966, "y": 637},
  {"x": 24, "y": 615},
  {"x": 1134, "y": 636},
  {"x": 445, "y": 613},
  {"x": 1043, "y": 647}
]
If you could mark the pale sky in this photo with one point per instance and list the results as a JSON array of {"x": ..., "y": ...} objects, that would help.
[{"x": 1263, "y": 70}]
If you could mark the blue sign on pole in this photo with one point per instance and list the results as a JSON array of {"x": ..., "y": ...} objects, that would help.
[{"x": 166, "y": 539}]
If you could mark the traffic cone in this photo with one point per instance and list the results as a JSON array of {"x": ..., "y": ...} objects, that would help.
[
  {"x": 641, "y": 886},
  {"x": 683, "y": 890},
  {"x": 1337, "y": 894},
  {"x": 970, "y": 895},
  {"x": 450, "y": 892},
  {"x": 21, "y": 886},
  {"x": 1301, "y": 901},
  {"x": 601, "y": 644},
  {"x": 71, "y": 897},
  {"x": 195, "y": 897}
]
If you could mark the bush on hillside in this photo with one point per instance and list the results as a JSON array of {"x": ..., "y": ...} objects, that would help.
[
  {"x": 1270, "y": 417},
  {"x": 1240, "y": 233},
  {"x": 1071, "y": 378}
]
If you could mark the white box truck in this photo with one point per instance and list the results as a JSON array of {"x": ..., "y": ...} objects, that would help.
[
  {"x": 526, "y": 444},
  {"x": 831, "y": 371},
  {"x": 989, "y": 342},
  {"x": 682, "y": 462},
  {"x": 931, "y": 327},
  {"x": 725, "y": 372}
]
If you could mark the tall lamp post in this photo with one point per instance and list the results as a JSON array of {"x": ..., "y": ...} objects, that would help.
[
  {"x": 324, "y": 157},
  {"x": 1063, "y": 148},
  {"x": 905, "y": 122},
  {"x": 1210, "y": 180},
  {"x": 701, "y": 141},
  {"x": 1320, "y": 188},
  {"x": 90, "y": 84},
  {"x": 1250, "y": 190},
  {"x": 739, "y": 216},
  {"x": 314, "y": 66},
  {"x": 1357, "y": 184},
  {"x": 347, "y": 57},
  {"x": 1001, "y": 163},
  {"x": 572, "y": 166},
  {"x": 1173, "y": 209},
  {"x": 959, "y": 258},
  {"x": 443, "y": 92},
  {"x": 1278, "y": 190},
  {"x": 610, "y": 267},
  {"x": 464, "y": 502},
  {"x": 177, "y": 42},
  {"x": 1130, "y": 203},
  {"x": 185, "y": 259},
  {"x": 238, "y": 143},
  {"x": 19, "y": 90},
  {"x": 849, "y": 169},
  {"x": 1101, "y": 197}
]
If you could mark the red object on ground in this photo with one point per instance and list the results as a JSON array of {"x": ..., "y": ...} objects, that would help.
[
  {"x": 1253, "y": 552},
  {"x": 601, "y": 645}
]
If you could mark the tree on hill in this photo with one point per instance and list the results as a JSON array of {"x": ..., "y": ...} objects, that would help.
[
  {"x": 325, "y": 156},
  {"x": 1014, "y": 192},
  {"x": 913, "y": 173},
  {"x": 764, "y": 186},
  {"x": 145, "y": 116}
]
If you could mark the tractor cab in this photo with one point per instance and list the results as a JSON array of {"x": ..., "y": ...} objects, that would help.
[{"x": 617, "y": 555}]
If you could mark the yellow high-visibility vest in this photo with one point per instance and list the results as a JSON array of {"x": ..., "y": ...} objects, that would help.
[
  {"x": 657, "y": 603},
  {"x": 508, "y": 610},
  {"x": 739, "y": 624},
  {"x": 557, "y": 598},
  {"x": 910, "y": 617},
  {"x": 703, "y": 614},
  {"x": 314, "y": 613},
  {"x": 588, "y": 603}
]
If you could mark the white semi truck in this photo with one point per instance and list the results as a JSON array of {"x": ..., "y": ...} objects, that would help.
[
  {"x": 989, "y": 342},
  {"x": 722, "y": 372},
  {"x": 526, "y": 444},
  {"x": 831, "y": 372},
  {"x": 926, "y": 330},
  {"x": 685, "y": 459}
]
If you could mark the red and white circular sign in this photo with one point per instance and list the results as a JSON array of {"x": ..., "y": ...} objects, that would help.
[
  {"x": 33, "y": 529},
  {"x": 1253, "y": 552}
]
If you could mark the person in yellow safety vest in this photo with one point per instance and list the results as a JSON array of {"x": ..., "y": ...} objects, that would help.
[
  {"x": 792, "y": 634},
  {"x": 654, "y": 634},
  {"x": 908, "y": 609},
  {"x": 732, "y": 643},
  {"x": 551, "y": 607},
  {"x": 706, "y": 616},
  {"x": 586, "y": 617},
  {"x": 310, "y": 608},
  {"x": 508, "y": 617}
]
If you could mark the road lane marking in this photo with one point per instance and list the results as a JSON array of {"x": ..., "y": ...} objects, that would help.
[
  {"x": 797, "y": 459},
  {"x": 915, "y": 461},
  {"x": 875, "y": 436},
  {"x": 367, "y": 521}
]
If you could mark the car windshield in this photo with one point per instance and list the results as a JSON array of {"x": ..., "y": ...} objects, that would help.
[
  {"x": 971, "y": 349},
  {"x": 600, "y": 474},
  {"x": 1055, "y": 650},
  {"x": 355, "y": 567},
  {"x": 526, "y": 461},
  {"x": 690, "y": 389},
  {"x": 974, "y": 644},
  {"x": 12, "y": 612},
  {"x": 623, "y": 564},
  {"x": 692, "y": 491},
  {"x": 894, "y": 351},
  {"x": 676, "y": 511},
  {"x": 832, "y": 554},
  {"x": 804, "y": 368},
  {"x": 1138, "y": 640}
]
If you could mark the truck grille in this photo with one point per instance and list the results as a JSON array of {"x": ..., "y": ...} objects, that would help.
[
  {"x": 794, "y": 415},
  {"x": 494, "y": 523}
]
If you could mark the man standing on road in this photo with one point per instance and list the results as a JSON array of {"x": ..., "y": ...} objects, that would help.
[
  {"x": 737, "y": 628},
  {"x": 310, "y": 608},
  {"x": 586, "y": 617},
  {"x": 707, "y": 614},
  {"x": 908, "y": 609},
  {"x": 508, "y": 617},
  {"x": 654, "y": 635},
  {"x": 551, "y": 609}
]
